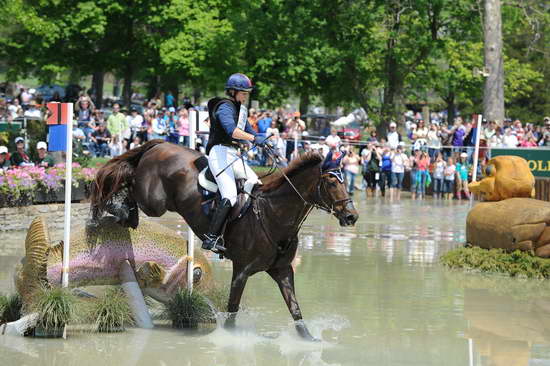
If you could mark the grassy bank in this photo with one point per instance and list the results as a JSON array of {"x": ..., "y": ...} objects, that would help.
[{"x": 515, "y": 264}]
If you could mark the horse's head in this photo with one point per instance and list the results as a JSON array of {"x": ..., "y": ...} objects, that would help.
[{"x": 332, "y": 194}]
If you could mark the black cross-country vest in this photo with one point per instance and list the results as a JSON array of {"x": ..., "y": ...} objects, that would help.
[{"x": 218, "y": 136}]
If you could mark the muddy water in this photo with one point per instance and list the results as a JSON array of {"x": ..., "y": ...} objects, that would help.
[{"x": 374, "y": 294}]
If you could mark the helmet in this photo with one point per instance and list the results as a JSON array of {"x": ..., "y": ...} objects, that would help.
[{"x": 239, "y": 82}]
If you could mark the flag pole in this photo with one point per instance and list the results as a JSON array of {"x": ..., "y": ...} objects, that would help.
[
  {"x": 193, "y": 122},
  {"x": 68, "y": 186}
]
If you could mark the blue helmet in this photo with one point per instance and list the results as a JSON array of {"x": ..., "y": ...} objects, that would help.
[{"x": 239, "y": 82}]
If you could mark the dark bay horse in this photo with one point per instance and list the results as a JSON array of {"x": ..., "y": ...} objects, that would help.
[{"x": 160, "y": 176}]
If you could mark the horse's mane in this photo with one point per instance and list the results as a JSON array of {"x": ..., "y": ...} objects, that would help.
[{"x": 304, "y": 161}]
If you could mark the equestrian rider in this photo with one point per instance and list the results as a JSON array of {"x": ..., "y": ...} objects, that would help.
[{"x": 228, "y": 125}]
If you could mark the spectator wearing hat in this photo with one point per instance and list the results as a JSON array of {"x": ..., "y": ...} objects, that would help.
[
  {"x": 20, "y": 157},
  {"x": 462, "y": 171},
  {"x": 84, "y": 112},
  {"x": 135, "y": 122},
  {"x": 4, "y": 160},
  {"x": 44, "y": 159},
  {"x": 100, "y": 141},
  {"x": 173, "y": 134},
  {"x": 393, "y": 137},
  {"x": 159, "y": 125},
  {"x": 545, "y": 133},
  {"x": 33, "y": 112}
]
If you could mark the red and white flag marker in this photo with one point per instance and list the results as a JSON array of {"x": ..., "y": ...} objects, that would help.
[{"x": 62, "y": 113}]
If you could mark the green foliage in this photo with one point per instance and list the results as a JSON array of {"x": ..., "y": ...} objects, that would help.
[
  {"x": 376, "y": 54},
  {"x": 187, "y": 309},
  {"x": 10, "y": 308},
  {"x": 515, "y": 264},
  {"x": 55, "y": 307},
  {"x": 111, "y": 312}
]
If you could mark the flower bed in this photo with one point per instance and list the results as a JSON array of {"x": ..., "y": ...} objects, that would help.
[{"x": 27, "y": 185}]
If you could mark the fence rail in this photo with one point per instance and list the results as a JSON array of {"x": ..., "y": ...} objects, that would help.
[{"x": 542, "y": 189}]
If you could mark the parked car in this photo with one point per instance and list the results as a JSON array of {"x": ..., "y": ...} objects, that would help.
[{"x": 351, "y": 133}]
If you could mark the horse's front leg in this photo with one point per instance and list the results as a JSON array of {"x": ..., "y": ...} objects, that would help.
[
  {"x": 284, "y": 276},
  {"x": 238, "y": 282}
]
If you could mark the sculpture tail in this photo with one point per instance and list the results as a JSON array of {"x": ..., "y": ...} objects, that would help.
[{"x": 33, "y": 272}]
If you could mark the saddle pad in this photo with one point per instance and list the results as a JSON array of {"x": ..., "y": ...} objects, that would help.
[{"x": 207, "y": 181}]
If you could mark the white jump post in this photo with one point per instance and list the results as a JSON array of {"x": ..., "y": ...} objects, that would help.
[
  {"x": 476, "y": 151},
  {"x": 68, "y": 186},
  {"x": 193, "y": 122}
]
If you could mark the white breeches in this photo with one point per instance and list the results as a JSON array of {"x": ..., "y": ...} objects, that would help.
[{"x": 219, "y": 158}]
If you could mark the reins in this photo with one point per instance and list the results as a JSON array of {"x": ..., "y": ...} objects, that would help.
[{"x": 324, "y": 206}]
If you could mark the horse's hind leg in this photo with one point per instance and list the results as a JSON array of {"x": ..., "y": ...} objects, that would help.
[
  {"x": 238, "y": 282},
  {"x": 284, "y": 276}
]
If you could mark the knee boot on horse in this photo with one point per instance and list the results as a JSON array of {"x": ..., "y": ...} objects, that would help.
[{"x": 214, "y": 238}]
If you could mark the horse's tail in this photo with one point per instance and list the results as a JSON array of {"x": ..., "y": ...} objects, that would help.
[{"x": 115, "y": 175}]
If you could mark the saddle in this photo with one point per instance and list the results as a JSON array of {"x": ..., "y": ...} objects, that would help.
[{"x": 211, "y": 196}]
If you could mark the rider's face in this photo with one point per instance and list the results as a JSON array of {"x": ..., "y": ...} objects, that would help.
[{"x": 241, "y": 96}]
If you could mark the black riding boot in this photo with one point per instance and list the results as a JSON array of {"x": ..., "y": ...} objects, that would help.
[{"x": 214, "y": 240}]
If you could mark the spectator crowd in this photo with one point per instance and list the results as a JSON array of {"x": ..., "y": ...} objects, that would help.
[{"x": 435, "y": 154}]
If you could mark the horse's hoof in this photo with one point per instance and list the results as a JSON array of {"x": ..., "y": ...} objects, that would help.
[
  {"x": 304, "y": 332},
  {"x": 230, "y": 322}
]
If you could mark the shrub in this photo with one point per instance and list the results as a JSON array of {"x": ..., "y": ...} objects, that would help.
[
  {"x": 188, "y": 309},
  {"x": 515, "y": 264},
  {"x": 111, "y": 313},
  {"x": 55, "y": 307},
  {"x": 10, "y": 308}
]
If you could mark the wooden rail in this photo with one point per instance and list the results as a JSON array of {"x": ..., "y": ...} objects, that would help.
[{"x": 542, "y": 189}]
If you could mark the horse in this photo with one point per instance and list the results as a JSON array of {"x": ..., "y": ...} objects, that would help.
[{"x": 160, "y": 176}]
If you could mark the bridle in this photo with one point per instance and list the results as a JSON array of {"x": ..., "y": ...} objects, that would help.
[
  {"x": 321, "y": 184},
  {"x": 319, "y": 202}
]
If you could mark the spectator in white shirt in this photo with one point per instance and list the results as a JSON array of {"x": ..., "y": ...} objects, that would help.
[
  {"x": 33, "y": 111},
  {"x": 333, "y": 140},
  {"x": 393, "y": 136},
  {"x": 509, "y": 139},
  {"x": 399, "y": 162}
]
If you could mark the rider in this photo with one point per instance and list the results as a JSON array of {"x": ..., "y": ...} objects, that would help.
[{"x": 228, "y": 125}]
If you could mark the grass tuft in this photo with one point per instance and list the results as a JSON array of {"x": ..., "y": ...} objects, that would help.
[
  {"x": 10, "y": 308},
  {"x": 55, "y": 307},
  {"x": 111, "y": 312},
  {"x": 515, "y": 264},
  {"x": 188, "y": 309}
]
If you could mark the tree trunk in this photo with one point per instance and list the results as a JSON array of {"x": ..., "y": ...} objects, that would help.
[
  {"x": 116, "y": 87},
  {"x": 97, "y": 86},
  {"x": 196, "y": 96},
  {"x": 304, "y": 103},
  {"x": 493, "y": 96},
  {"x": 127, "y": 89},
  {"x": 74, "y": 76},
  {"x": 450, "y": 100}
]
